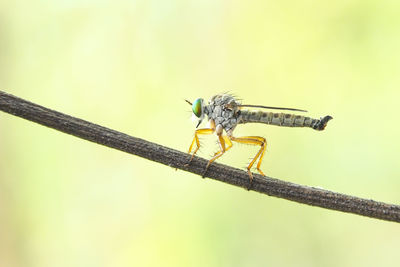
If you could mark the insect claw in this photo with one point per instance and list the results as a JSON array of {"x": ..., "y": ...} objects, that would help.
[
  {"x": 260, "y": 171},
  {"x": 204, "y": 174},
  {"x": 190, "y": 160},
  {"x": 250, "y": 179}
]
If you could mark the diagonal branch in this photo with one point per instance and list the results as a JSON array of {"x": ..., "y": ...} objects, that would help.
[{"x": 176, "y": 159}]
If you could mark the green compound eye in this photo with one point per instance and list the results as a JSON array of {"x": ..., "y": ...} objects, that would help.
[{"x": 197, "y": 107}]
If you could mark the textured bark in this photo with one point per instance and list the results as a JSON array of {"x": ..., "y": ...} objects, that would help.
[{"x": 176, "y": 159}]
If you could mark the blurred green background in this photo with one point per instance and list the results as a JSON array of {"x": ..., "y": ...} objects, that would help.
[{"x": 129, "y": 65}]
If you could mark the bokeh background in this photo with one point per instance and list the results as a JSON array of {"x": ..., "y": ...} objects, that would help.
[{"x": 129, "y": 65}]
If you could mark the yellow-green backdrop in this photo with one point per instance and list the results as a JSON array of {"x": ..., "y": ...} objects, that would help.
[{"x": 129, "y": 65}]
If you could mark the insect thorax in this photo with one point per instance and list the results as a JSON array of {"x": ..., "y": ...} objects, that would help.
[{"x": 224, "y": 111}]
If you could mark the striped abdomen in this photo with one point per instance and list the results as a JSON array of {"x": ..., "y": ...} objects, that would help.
[{"x": 283, "y": 119}]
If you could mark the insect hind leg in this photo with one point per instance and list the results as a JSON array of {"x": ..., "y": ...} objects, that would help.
[{"x": 253, "y": 140}]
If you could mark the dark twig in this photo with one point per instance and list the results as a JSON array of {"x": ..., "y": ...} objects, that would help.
[{"x": 176, "y": 159}]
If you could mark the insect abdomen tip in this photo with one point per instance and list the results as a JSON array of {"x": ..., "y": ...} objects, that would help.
[{"x": 322, "y": 123}]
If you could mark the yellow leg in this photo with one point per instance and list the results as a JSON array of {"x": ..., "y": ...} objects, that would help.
[
  {"x": 222, "y": 140},
  {"x": 196, "y": 139},
  {"x": 225, "y": 144},
  {"x": 253, "y": 140}
]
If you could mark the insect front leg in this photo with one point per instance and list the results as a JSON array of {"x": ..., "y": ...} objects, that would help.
[{"x": 196, "y": 140}]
